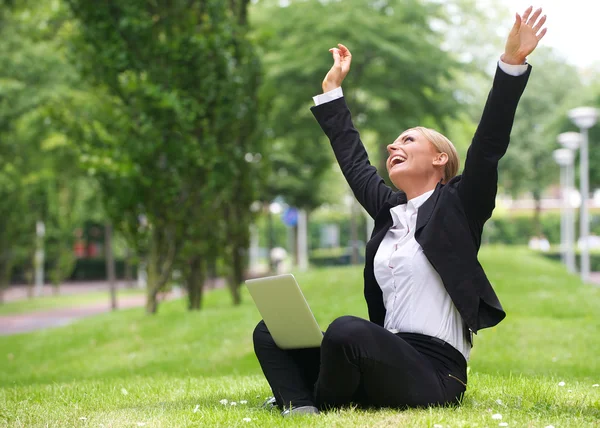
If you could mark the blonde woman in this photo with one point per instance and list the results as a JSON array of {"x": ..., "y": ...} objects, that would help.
[{"x": 425, "y": 289}]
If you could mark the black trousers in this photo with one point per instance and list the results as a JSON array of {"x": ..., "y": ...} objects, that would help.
[{"x": 361, "y": 363}]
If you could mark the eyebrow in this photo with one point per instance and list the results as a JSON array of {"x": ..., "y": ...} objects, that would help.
[{"x": 403, "y": 138}]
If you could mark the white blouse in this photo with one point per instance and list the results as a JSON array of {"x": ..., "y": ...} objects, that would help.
[{"x": 413, "y": 293}]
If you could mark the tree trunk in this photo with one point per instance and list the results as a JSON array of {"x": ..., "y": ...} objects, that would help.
[
  {"x": 152, "y": 285},
  {"x": 237, "y": 275},
  {"x": 159, "y": 266},
  {"x": 195, "y": 283},
  {"x": 5, "y": 270},
  {"x": 128, "y": 269},
  {"x": 110, "y": 265},
  {"x": 537, "y": 213}
]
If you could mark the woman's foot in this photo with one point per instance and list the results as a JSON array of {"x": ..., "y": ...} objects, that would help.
[{"x": 304, "y": 410}]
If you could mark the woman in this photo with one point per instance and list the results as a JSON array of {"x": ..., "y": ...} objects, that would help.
[{"x": 425, "y": 290}]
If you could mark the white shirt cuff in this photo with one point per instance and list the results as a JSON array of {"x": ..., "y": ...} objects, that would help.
[
  {"x": 334, "y": 94},
  {"x": 511, "y": 69}
]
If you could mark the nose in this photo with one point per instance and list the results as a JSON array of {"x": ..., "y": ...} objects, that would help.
[{"x": 391, "y": 148}]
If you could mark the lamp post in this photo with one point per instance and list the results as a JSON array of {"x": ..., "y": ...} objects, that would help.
[
  {"x": 570, "y": 141},
  {"x": 584, "y": 118},
  {"x": 564, "y": 158}
]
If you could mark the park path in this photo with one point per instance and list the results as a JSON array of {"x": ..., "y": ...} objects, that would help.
[
  {"x": 41, "y": 319},
  {"x": 47, "y": 318}
]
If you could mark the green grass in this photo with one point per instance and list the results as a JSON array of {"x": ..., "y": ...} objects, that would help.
[
  {"x": 61, "y": 301},
  {"x": 129, "y": 369}
]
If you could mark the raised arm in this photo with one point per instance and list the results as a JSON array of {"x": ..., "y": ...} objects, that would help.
[
  {"x": 479, "y": 182},
  {"x": 335, "y": 119}
]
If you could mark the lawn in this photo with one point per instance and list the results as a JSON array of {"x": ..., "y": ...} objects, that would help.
[
  {"x": 175, "y": 368},
  {"x": 62, "y": 301}
]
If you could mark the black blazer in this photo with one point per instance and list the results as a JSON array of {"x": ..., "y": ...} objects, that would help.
[{"x": 450, "y": 223}]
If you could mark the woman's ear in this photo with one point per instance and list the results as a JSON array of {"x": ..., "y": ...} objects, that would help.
[{"x": 441, "y": 159}]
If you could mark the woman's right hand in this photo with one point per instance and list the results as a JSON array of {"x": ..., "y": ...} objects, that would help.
[{"x": 341, "y": 66}]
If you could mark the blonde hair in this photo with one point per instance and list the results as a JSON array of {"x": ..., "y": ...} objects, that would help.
[{"x": 443, "y": 145}]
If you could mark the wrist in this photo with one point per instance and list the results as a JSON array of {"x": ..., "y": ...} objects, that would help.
[
  {"x": 513, "y": 59},
  {"x": 330, "y": 86}
]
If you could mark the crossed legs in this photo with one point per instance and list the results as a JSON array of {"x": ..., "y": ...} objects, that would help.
[{"x": 360, "y": 362}]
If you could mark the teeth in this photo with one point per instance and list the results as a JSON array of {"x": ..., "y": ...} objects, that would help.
[{"x": 398, "y": 158}]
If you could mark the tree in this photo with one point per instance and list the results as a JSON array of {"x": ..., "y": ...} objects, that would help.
[
  {"x": 174, "y": 120},
  {"x": 528, "y": 164},
  {"x": 33, "y": 74}
]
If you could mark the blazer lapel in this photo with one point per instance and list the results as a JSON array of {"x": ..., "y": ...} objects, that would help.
[{"x": 426, "y": 209}]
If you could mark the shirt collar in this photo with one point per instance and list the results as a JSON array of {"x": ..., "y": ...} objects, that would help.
[
  {"x": 420, "y": 200},
  {"x": 412, "y": 205}
]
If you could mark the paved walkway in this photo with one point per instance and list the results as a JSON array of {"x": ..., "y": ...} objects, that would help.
[
  {"x": 47, "y": 318},
  {"x": 38, "y": 320},
  {"x": 41, "y": 319}
]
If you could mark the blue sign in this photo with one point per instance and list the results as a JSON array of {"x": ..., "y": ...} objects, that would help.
[{"x": 290, "y": 217}]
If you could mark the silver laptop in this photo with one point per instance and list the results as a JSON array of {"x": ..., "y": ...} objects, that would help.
[{"x": 285, "y": 311}]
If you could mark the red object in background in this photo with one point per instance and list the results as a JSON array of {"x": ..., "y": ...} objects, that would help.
[
  {"x": 79, "y": 249},
  {"x": 92, "y": 250}
]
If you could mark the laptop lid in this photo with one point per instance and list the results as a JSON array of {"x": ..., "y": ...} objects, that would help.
[{"x": 285, "y": 311}]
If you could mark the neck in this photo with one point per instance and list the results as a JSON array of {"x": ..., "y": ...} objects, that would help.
[{"x": 414, "y": 190}]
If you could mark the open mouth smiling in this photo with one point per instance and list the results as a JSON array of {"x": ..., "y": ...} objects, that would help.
[{"x": 396, "y": 160}]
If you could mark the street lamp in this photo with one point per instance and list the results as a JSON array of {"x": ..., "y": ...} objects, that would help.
[
  {"x": 570, "y": 141},
  {"x": 564, "y": 158},
  {"x": 584, "y": 118}
]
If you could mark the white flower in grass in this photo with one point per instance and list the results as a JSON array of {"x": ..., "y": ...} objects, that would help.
[
  {"x": 141, "y": 424},
  {"x": 124, "y": 391},
  {"x": 438, "y": 426},
  {"x": 497, "y": 416},
  {"x": 595, "y": 385},
  {"x": 499, "y": 402},
  {"x": 233, "y": 403},
  {"x": 503, "y": 424},
  {"x": 561, "y": 383},
  {"x": 243, "y": 402},
  {"x": 224, "y": 401},
  {"x": 196, "y": 408},
  {"x": 246, "y": 419},
  {"x": 83, "y": 418},
  {"x": 549, "y": 426}
]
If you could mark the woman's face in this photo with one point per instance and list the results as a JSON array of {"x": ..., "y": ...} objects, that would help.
[{"x": 413, "y": 158}]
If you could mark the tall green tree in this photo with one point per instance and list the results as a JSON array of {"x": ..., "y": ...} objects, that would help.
[
  {"x": 528, "y": 165},
  {"x": 169, "y": 138},
  {"x": 33, "y": 175},
  {"x": 401, "y": 77}
]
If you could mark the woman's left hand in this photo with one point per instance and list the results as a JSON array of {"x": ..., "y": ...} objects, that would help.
[{"x": 524, "y": 36}]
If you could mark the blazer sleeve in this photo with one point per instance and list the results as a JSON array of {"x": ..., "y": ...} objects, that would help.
[
  {"x": 367, "y": 185},
  {"x": 479, "y": 182}
]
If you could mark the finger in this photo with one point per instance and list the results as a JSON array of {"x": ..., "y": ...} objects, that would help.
[
  {"x": 517, "y": 22},
  {"x": 542, "y": 34},
  {"x": 539, "y": 25},
  {"x": 344, "y": 50},
  {"x": 534, "y": 17},
  {"x": 336, "y": 55},
  {"x": 527, "y": 13}
]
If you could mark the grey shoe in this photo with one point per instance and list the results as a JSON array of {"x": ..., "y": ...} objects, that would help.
[
  {"x": 269, "y": 403},
  {"x": 304, "y": 410}
]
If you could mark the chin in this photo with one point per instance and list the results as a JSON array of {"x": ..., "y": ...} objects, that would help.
[{"x": 396, "y": 177}]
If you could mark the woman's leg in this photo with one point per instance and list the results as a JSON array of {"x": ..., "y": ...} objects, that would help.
[
  {"x": 362, "y": 362},
  {"x": 291, "y": 373}
]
